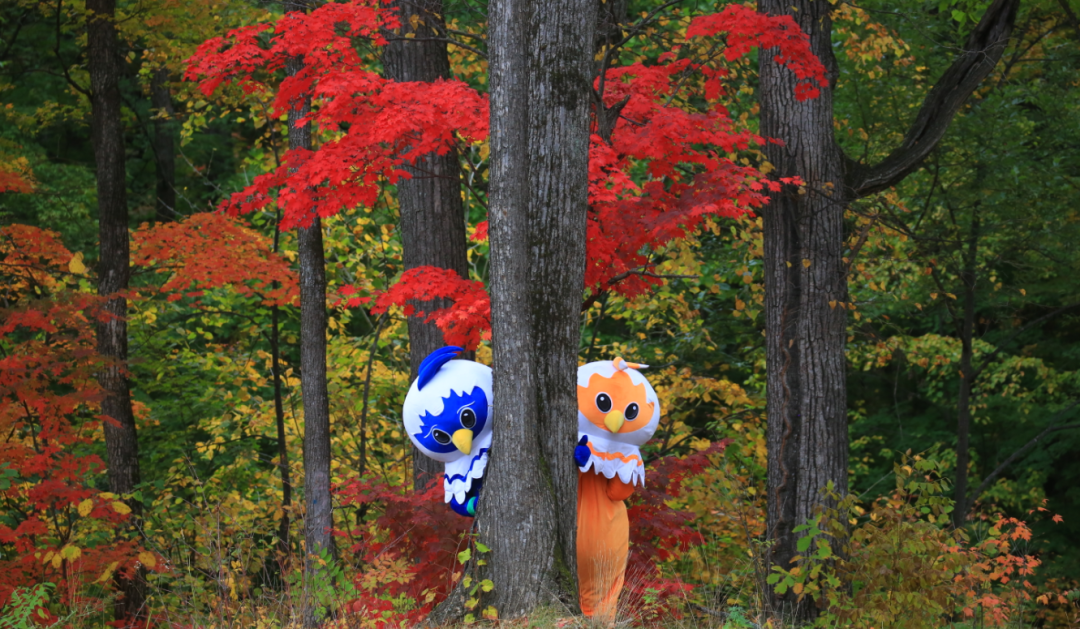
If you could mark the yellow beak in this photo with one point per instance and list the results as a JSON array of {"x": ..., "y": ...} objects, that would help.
[
  {"x": 463, "y": 440},
  {"x": 614, "y": 420}
]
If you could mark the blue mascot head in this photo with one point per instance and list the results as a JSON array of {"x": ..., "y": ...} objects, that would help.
[{"x": 447, "y": 415}]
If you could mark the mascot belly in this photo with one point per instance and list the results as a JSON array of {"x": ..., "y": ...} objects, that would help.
[{"x": 618, "y": 411}]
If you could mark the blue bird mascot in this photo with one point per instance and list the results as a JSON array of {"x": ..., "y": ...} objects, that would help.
[{"x": 447, "y": 415}]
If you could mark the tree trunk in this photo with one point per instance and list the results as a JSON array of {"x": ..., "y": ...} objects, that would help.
[
  {"x": 121, "y": 443},
  {"x": 967, "y": 375},
  {"x": 805, "y": 291},
  {"x": 805, "y": 273},
  {"x": 432, "y": 213},
  {"x": 540, "y": 81},
  {"x": 318, "y": 519},
  {"x": 164, "y": 150}
]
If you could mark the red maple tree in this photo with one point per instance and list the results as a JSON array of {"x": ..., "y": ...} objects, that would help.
[{"x": 373, "y": 126}]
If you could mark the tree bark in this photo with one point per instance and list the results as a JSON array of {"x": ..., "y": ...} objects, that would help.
[
  {"x": 164, "y": 149},
  {"x": 540, "y": 77},
  {"x": 318, "y": 518},
  {"x": 805, "y": 291},
  {"x": 432, "y": 213},
  {"x": 121, "y": 442},
  {"x": 805, "y": 273}
]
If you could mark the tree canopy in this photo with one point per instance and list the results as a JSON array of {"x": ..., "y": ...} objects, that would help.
[{"x": 242, "y": 129}]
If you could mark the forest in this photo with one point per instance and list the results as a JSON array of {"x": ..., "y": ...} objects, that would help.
[{"x": 839, "y": 233}]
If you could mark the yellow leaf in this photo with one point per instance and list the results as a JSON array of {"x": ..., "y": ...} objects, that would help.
[
  {"x": 57, "y": 560},
  {"x": 121, "y": 508},
  {"x": 147, "y": 559},
  {"x": 1023, "y": 292},
  {"x": 797, "y": 588},
  {"x": 806, "y": 263},
  {"x": 75, "y": 265},
  {"x": 832, "y": 304},
  {"x": 105, "y": 576},
  {"x": 85, "y": 507},
  {"x": 71, "y": 553}
]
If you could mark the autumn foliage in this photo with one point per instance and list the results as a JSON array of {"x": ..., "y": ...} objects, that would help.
[
  {"x": 674, "y": 168},
  {"x": 58, "y": 527}
]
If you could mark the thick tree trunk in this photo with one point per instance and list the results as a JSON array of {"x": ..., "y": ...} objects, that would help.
[
  {"x": 805, "y": 274},
  {"x": 121, "y": 443},
  {"x": 318, "y": 506},
  {"x": 967, "y": 375},
  {"x": 805, "y": 291},
  {"x": 164, "y": 150},
  {"x": 540, "y": 95},
  {"x": 432, "y": 213}
]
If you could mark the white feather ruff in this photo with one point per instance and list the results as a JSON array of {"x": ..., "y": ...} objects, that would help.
[{"x": 467, "y": 468}]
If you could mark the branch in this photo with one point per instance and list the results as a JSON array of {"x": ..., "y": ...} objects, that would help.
[
  {"x": 1002, "y": 345},
  {"x": 1070, "y": 16},
  {"x": 982, "y": 51},
  {"x": 1053, "y": 427},
  {"x": 56, "y": 52}
]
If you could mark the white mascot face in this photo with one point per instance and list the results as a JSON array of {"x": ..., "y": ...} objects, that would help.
[
  {"x": 616, "y": 402},
  {"x": 448, "y": 405}
]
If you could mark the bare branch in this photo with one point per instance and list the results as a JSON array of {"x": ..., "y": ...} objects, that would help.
[
  {"x": 982, "y": 51},
  {"x": 1000, "y": 346},
  {"x": 1053, "y": 427}
]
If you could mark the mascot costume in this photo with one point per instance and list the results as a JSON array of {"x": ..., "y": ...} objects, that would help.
[
  {"x": 618, "y": 411},
  {"x": 447, "y": 416}
]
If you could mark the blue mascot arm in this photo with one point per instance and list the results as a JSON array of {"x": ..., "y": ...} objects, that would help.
[
  {"x": 469, "y": 506},
  {"x": 582, "y": 452}
]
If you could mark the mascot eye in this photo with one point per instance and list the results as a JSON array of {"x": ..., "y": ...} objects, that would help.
[
  {"x": 632, "y": 411},
  {"x": 468, "y": 418},
  {"x": 603, "y": 402},
  {"x": 440, "y": 436}
]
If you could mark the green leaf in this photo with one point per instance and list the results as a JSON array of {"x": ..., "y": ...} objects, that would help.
[
  {"x": 487, "y": 585},
  {"x": 480, "y": 548},
  {"x": 959, "y": 15},
  {"x": 803, "y": 543},
  {"x": 464, "y": 555}
]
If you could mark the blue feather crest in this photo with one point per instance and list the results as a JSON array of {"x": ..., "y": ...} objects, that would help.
[{"x": 434, "y": 362}]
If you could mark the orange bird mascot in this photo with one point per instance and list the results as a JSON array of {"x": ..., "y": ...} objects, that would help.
[{"x": 618, "y": 411}]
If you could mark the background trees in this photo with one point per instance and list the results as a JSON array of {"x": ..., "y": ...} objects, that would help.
[
  {"x": 676, "y": 281},
  {"x": 806, "y": 267}
]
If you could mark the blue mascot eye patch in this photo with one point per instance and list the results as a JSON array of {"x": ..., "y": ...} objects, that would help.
[{"x": 458, "y": 410}]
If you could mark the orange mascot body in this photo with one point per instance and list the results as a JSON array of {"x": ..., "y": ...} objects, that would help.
[{"x": 618, "y": 411}]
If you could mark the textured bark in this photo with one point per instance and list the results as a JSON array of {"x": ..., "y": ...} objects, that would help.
[
  {"x": 540, "y": 95},
  {"x": 164, "y": 149},
  {"x": 318, "y": 508},
  {"x": 121, "y": 443},
  {"x": 432, "y": 213},
  {"x": 805, "y": 274}
]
